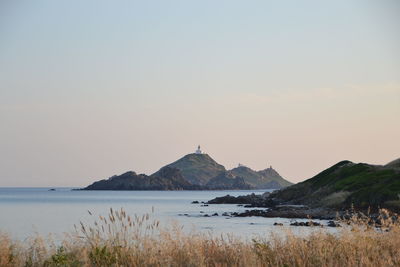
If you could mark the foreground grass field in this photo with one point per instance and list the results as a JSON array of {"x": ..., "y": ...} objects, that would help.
[{"x": 121, "y": 240}]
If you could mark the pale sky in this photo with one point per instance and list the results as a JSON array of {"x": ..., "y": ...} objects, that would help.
[{"x": 89, "y": 89}]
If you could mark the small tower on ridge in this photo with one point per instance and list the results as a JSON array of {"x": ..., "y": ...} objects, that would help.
[{"x": 198, "y": 151}]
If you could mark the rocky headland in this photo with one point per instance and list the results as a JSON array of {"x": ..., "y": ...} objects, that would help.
[{"x": 344, "y": 188}]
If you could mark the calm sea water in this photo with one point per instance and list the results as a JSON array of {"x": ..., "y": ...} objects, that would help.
[{"x": 26, "y": 211}]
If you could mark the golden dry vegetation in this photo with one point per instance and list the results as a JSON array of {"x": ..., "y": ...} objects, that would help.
[{"x": 121, "y": 240}]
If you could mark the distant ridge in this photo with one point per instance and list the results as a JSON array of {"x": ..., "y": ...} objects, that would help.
[
  {"x": 201, "y": 169},
  {"x": 226, "y": 181},
  {"x": 264, "y": 179},
  {"x": 196, "y": 171}
]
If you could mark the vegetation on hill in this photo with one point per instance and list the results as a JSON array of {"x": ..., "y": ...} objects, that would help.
[
  {"x": 198, "y": 169},
  {"x": 347, "y": 183}
]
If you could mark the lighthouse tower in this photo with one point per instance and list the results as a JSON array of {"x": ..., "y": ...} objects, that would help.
[{"x": 198, "y": 151}]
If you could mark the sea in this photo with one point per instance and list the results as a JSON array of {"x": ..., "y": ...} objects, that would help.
[{"x": 26, "y": 212}]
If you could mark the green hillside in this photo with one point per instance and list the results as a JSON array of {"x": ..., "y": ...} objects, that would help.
[
  {"x": 347, "y": 183},
  {"x": 198, "y": 169}
]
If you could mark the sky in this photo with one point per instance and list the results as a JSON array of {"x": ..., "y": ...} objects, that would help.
[{"x": 89, "y": 89}]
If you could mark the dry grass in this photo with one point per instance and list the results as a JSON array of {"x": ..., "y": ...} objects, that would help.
[{"x": 121, "y": 240}]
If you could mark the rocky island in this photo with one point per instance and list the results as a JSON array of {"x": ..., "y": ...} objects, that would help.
[{"x": 195, "y": 171}]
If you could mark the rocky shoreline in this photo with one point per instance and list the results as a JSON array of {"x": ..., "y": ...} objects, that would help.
[
  {"x": 264, "y": 213},
  {"x": 273, "y": 208},
  {"x": 290, "y": 212}
]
